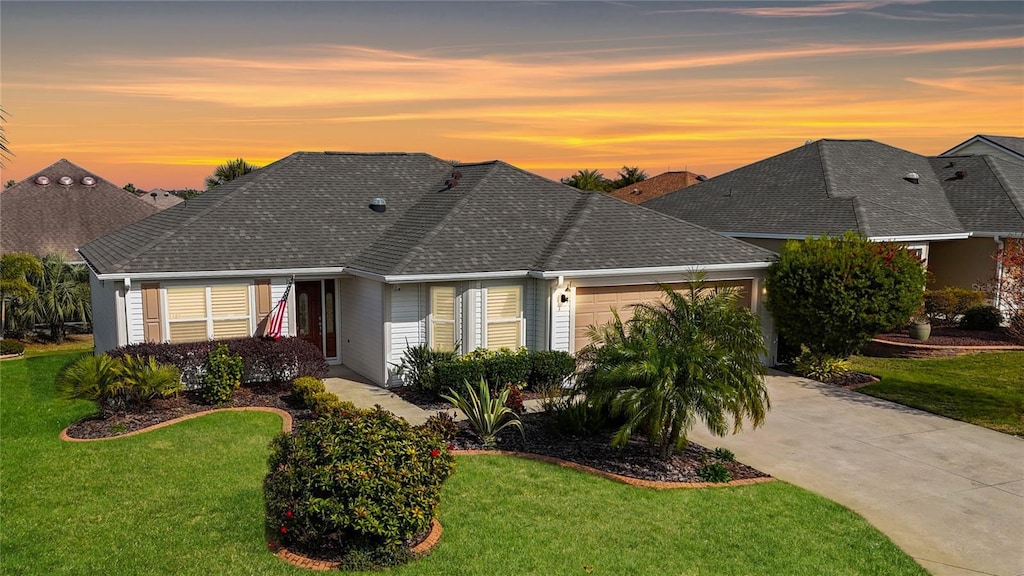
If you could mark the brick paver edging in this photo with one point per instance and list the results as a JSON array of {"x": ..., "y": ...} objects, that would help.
[
  {"x": 939, "y": 347},
  {"x": 616, "y": 477},
  {"x": 286, "y": 422},
  {"x": 419, "y": 550}
]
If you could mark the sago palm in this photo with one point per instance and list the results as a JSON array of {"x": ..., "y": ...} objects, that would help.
[
  {"x": 228, "y": 171},
  {"x": 691, "y": 357}
]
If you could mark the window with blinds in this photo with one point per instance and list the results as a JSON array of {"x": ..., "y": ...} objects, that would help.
[
  {"x": 442, "y": 318},
  {"x": 196, "y": 313},
  {"x": 504, "y": 317}
]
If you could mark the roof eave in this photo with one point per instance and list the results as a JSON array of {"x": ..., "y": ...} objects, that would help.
[
  {"x": 332, "y": 270},
  {"x": 688, "y": 269}
]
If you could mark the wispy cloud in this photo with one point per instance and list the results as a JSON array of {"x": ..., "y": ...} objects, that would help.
[{"x": 810, "y": 11}]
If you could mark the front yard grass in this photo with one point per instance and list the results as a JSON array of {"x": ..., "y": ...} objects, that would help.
[
  {"x": 187, "y": 499},
  {"x": 983, "y": 389}
]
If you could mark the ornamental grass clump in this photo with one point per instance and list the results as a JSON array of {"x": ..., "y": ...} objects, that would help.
[{"x": 358, "y": 488}]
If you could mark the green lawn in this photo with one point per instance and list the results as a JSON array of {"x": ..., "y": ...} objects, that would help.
[
  {"x": 187, "y": 500},
  {"x": 983, "y": 389}
]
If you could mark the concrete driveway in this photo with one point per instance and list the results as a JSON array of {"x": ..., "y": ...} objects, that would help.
[{"x": 948, "y": 493}]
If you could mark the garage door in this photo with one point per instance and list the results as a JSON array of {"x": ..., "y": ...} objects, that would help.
[{"x": 594, "y": 304}]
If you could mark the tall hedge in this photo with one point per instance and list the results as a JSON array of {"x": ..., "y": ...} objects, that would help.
[{"x": 833, "y": 294}]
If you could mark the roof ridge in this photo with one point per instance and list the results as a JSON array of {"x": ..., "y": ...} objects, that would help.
[
  {"x": 192, "y": 219},
  {"x": 1015, "y": 198},
  {"x": 860, "y": 217},
  {"x": 826, "y": 175},
  {"x": 452, "y": 210},
  {"x": 560, "y": 239}
]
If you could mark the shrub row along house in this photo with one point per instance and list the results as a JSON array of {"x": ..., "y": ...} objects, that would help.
[
  {"x": 393, "y": 250},
  {"x": 954, "y": 210}
]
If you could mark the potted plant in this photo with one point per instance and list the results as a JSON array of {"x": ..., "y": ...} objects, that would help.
[{"x": 920, "y": 327}]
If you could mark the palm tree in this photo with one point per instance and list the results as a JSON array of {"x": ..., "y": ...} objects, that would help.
[
  {"x": 587, "y": 180},
  {"x": 630, "y": 175},
  {"x": 693, "y": 356},
  {"x": 62, "y": 296},
  {"x": 4, "y": 150},
  {"x": 15, "y": 267},
  {"x": 228, "y": 171}
]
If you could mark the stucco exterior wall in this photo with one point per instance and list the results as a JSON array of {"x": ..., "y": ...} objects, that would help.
[{"x": 964, "y": 263}]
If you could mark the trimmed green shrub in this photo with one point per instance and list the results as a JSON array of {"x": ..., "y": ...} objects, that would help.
[
  {"x": 487, "y": 415},
  {"x": 223, "y": 375},
  {"x": 8, "y": 346},
  {"x": 714, "y": 473},
  {"x": 981, "y": 318},
  {"x": 312, "y": 393},
  {"x": 358, "y": 487},
  {"x": 118, "y": 385},
  {"x": 945, "y": 305},
  {"x": 503, "y": 367},
  {"x": 455, "y": 372},
  {"x": 549, "y": 368},
  {"x": 417, "y": 365},
  {"x": 834, "y": 294},
  {"x": 820, "y": 367}
]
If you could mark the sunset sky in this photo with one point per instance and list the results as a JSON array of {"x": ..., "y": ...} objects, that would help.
[{"x": 158, "y": 93}]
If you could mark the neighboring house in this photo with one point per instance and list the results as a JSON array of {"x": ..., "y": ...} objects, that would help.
[
  {"x": 1006, "y": 147},
  {"x": 955, "y": 211},
  {"x": 395, "y": 250},
  {"x": 61, "y": 208},
  {"x": 160, "y": 198},
  {"x": 656, "y": 186}
]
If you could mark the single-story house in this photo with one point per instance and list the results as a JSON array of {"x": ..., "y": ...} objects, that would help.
[
  {"x": 395, "y": 250},
  {"x": 955, "y": 211},
  {"x": 1005, "y": 147},
  {"x": 63, "y": 207},
  {"x": 656, "y": 186}
]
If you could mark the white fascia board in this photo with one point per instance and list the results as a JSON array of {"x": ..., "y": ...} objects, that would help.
[
  {"x": 222, "y": 274},
  {"x": 955, "y": 149},
  {"x": 460, "y": 277},
  {"x": 921, "y": 237},
  {"x": 554, "y": 274},
  {"x": 998, "y": 234}
]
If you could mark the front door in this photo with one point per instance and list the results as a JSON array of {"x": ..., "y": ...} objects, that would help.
[{"x": 308, "y": 320}]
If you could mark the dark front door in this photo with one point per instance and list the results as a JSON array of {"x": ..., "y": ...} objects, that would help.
[{"x": 307, "y": 313}]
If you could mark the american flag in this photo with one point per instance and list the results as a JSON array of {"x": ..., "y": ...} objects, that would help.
[{"x": 278, "y": 315}]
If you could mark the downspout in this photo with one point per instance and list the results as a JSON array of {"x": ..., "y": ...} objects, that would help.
[{"x": 122, "y": 324}]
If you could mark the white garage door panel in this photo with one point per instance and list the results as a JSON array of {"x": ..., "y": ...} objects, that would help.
[{"x": 594, "y": 304}]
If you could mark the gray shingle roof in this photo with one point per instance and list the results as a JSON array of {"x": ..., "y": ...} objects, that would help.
[
  {"x": 824, "y": 187},
  {"x": 1012, "y": 143},
  {"x": 310, "y": 210},
  {"x": 986, "y": 192},
  {"x": 58, "y": 218}
]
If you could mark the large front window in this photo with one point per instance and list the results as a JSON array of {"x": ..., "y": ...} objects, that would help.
[
  {"x": 504, "y": 317},
  {"x": 197, "y": 313}
]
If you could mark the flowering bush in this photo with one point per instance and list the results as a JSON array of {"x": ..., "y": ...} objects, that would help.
[
  {"x": 1010, "y": 281},
  {"x": 834, "y": 294},
  {"x": 359, "y": 487}
]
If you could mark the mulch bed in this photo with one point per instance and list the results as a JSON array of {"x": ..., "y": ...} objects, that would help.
[
  {"x": 851, "y": 380},
  {"x": 633, "y": 460},
  {"x": 159, "y": 411},
  {"x": 953, "y": 336}
]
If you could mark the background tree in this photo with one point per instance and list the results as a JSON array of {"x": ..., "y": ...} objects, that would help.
[
  {"x": 4, "y": 150},
  {"x": 693, "y": 356},
  {"x": 228, "y": 171},
  {"x": 833, "y": 295},
  {"x": 15, "y": 267},
  {"x": 131, "y": 188},
  {"x": 62, "y": 296},
  {"x": 10, "y": 183},
  {"x": 629, "y": 175},
  {"x": 588, "y": 180}
]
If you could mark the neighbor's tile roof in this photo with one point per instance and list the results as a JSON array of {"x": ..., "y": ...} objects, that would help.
[
  {"x": 655, "y": 186},
  {"x": 310, "y": 210},
  {"x": 58, "y": 219},
  {"x": 823, "y": 187}
]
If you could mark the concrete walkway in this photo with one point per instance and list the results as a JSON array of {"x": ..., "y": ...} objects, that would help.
[{"x": 948, "y": 493}]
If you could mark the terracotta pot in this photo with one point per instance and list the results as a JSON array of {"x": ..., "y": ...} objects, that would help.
[{"x": 920, "y": 331}]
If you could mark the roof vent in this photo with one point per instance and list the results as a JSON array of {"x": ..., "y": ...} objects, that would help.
[
  {"x": 702, "y": 178},
  {"x": 960, "y": 174},
  {"x": 635, "y": 191},
  {"x": 43, "y": 180},
  {"x": 89, "y": 181},
  {"x": 153, "y": 194},
  {"x": 66, "y": 180},
  {"x": 913, "y": 177},
  {"x": 453, "y": 180},
  {"x": 378, "y": 205}
]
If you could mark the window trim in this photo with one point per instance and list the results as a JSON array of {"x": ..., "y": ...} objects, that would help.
[
  {"x": 209, "y": 318},
  {"x": 487, "y": 321},
  {"x": 455, "y": 321}
]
